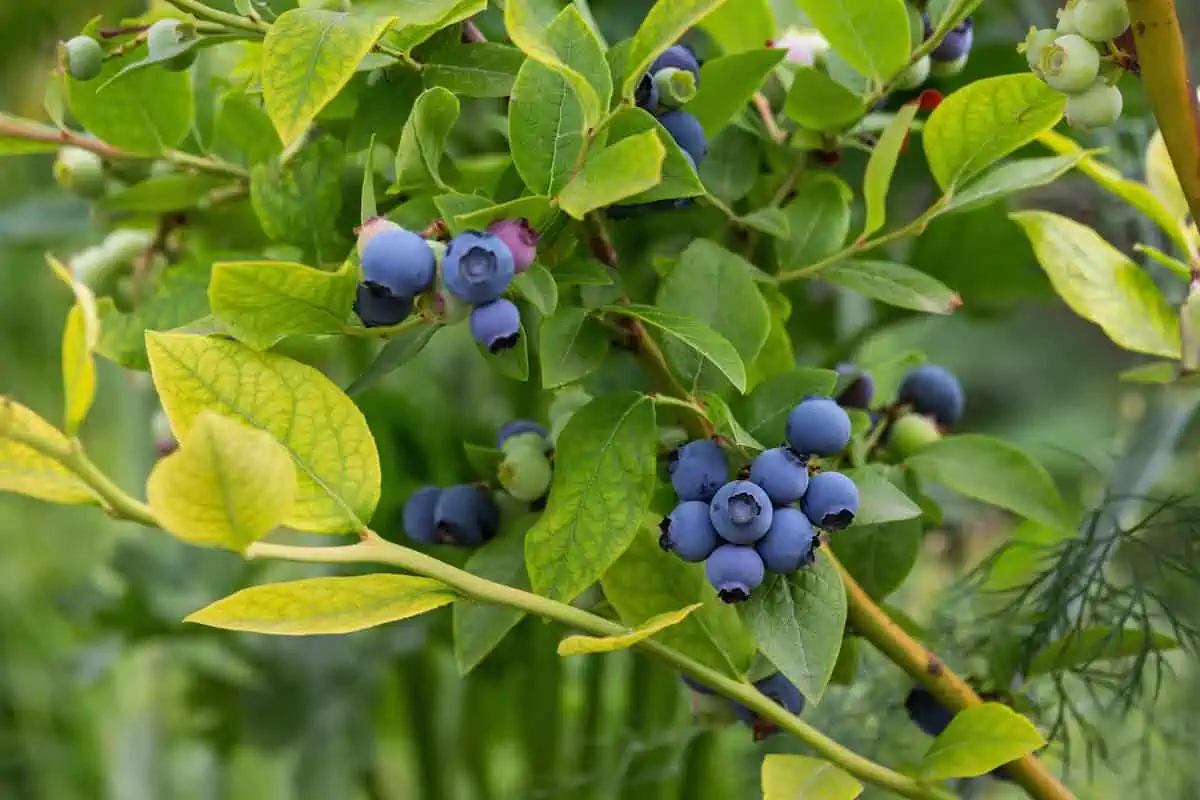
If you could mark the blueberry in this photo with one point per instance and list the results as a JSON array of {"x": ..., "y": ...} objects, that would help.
[
  {"x": 1066, "y": 20},
  {"x": 927, "y": 712},
  {"x": 521, "y": 238},
  {"x": 398, "y": 260},
  {"x": 478, "y": 267},
  {"x": 377, "y": 307},
  {"x": 517, "y": 427},
  {"x": 734, "y": 572},
  {"x": 948, "y": 69},
  {"x": 781, "y": 473},
  {"x": 698, "y": 470},
  {"x": 1096, "y": 107},
  {"x": 788, "y": 545},
  {"x": 687, "y": 132},
  {"x": 81, "y": 172},
  {"x": 164, "y": 38},
  {"x": 676, "y": 87},
  {"x": 1071, "y": 64},
  {"x": 678, "y": 56},
  {"x": 777, "y": 688},
  {"x": 916, "y": 74},
  {"x": 465, "y": 516},
  {"x": 646, "y": 93},
  {"x": 818, "y": 427},
  {"x": 696, "y": 686},
  {"x": 911, "y": 434},
  {"x": 957, "y": 43},
  {"x": 741, "y": 512},
  {"x": 688, "y": 532},
  {"x": 1101, "y": 20},
  {"x": 85, "y": 58},
  {"x": 933, "y": 391},
  {"x": 831, "y": 501},
  {"x": 525, "y": 472},
  {"x": 1035, "y": 45},
  {"x": 860, "y": 391},
  {"x": 418, "y": 515},
  {"x": 496, "y": 325}
]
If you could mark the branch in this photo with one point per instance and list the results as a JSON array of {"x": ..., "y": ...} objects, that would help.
[{"x": 201, "y": 11}]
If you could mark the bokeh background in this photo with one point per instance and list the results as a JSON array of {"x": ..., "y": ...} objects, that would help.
[{"x": 105, "y": 694}]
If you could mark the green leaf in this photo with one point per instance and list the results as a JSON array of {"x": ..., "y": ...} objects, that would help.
[
  {"x": 619, "y": 171},
  {"x": 569, "y": 49},
  {"x": 24, "y": 470},
  {"x": 694, "y": 334},
  {"x": 1084, "y": 648},
  {"x": 1156, "y": 372},
  {"x": 1010, "y": 178},
  {"x": 226, "y": 486},
  {"x": 145, "y": 114},
  {"x": 978, "y": 740},
  {"x": 583, "y": 272},
  {"x": 1101, "y": 284},
  {"x": 480, "y": 627},
  {"x": 325, "y": 605},
  {"x": 894, "y": 284},
  {"x": 579, "y": 645},
  {"x": 573, "y": 345},
  {"x": 819, "y": 103},
  {"x": 726, "y": 425},
  {"x": 308, "y": 55},
  {"x": 666, "y": 21},
  {"x": 882, "y": 166},
  {"x": 265, "y": 301},
  {"x": 298, "y": 202},
  {"x": 986, "y": 120},
  {"x": 81, "y": 336},
  {"x": 538, "y": 287},
  {"x": 798, "y": 621},
  {"x": 402, "y": 348},
  {"x": 731, "y": 167},
  {"x": 714, "y": 286},
  {"x": 368, "y": 207},
  {"x": 879, "y": 557},
  {"x": 603, "y": 479},
  {"x": 740, "y": 26},
  {"x": 764, "y": 411},
  {"x": 162, "y": 193},
  {"x": 679, "y": 177},
  {"x": 871, "y": 35},
  {"x": 994, "y": 472},
  {"x": 338, "y": 474},
  {"x": 244, "y": 131},
  {"x": 454, "y": 204},
  {"x": 879, "y": 501},
  {"x": 727, "y": 83},
  {"x": 769, "y": 220},
  {"x": 511, "y": 363},
  {"x": 485, "y": 69},
  {"x": 418, "y": 20},
  {"x": 180, "y": 297},
  {"x": 818, "y": 223},
  {"x": 786, "y": 777},
  {"x": 646, "y": 581},
  {"x": 423, "y": 142},
  {"x": 536, "y": 209}
]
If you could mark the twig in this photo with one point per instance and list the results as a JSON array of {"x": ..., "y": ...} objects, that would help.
[
  {"x": 471, "y": 33},
  {"x": 201, "y": 11},
  {"x": 763, "y": 105}
]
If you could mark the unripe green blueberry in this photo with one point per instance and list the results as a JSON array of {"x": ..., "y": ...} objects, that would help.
[
  {"x": 125, "y": 244},
  {"x": 1035, "y": 46},
  {"x": 81, "y": 172},
  {"x": 1097, "y": 107},
  {"x": 521, "y": 442},
  {"x": 675, "y": 87},
  {"x": 525, "y": 472},
  {"x": 164, "y": 38},
  {"x": 85, "y": 58},
  {"x": 948, "y": 69},
  {"x": 1066, "y": 20},
  {"x": 1101, "y": 20},
  {"x": 915, "y": 75},
  {"x": 1071, "y": 64},
  {"x": 912, "y": 433}
]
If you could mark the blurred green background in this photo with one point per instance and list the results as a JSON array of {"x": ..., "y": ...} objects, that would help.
[{"x": 104, "y": 694}]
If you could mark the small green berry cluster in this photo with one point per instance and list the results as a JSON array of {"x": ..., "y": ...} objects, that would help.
[{"x": 1068, "y": 58}]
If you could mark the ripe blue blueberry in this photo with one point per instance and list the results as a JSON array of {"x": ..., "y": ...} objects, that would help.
[
  {"x": 687, "y": 132},
  {"x": 788, "y": 545},
  {"x": 779, "y": 689},
  {"x": 398, "y": 260},
  {"x": 85, "y": 58},
  {"x": 927, "y": 712},
  {"x": 645, "y": 96},
  {"x": 688, "y": 532},
  {"x": 478, "y": 267},
  {"x": 831, "y": 501},
  {"x": 419, "y": 524},
  {"x": 698, "y": 470},
  {"x": 377, "y": 307},
  {"x": 521, "y": 238},
  {"x": 933, "y": 391},
  {"x": 496, "y": 325},
  {"x": 696, "y": 686},
  {"x": 860, "y": 390},
  {"x": 734, "y": 572},
  {"x": 678, "y": 56},
  {"x": 517, "y": 427},
  {"x": 957, "y": 42},
  {"x": 465, "y": 516},
  {"x": 741, "y": 512},
  {"x": 818, "y": 427},
  {"x": 781, "y": 473}
]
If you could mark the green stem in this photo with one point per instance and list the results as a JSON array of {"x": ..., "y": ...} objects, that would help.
[{"x": 201, "y": 11}]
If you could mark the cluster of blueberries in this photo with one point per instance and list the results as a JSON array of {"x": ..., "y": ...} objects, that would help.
[
  {"x": 948, "y": 59},
  {"x": 930, "y": 396},
  {"x": 84, "y": 57},
  {"x": 467, "y": 515},
  {"x": 1068, "y": 58},
  {"x": 742, "y": 528},
  {"x": 477, "y": 268}
]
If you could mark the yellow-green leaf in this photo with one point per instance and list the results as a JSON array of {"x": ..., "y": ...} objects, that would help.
[
  {"x": 744, "y": 25},
  {"x": 423, "y": 141},
  {"x": 261, "y": 302},
  {"x": 528, "y": 32},
  {"x": 1161, "y": 177},
  {"x": 26, "y": 471},
  {"x": 308, "y": 55},
  {"x": 666, "y": 21},
  {"x": 583, "y": 645},
  {"x": 626, "y": 168},
  {"x": 227, "y": 486},
  {"x": 1101, "y": 284},
  {"x": 325, "y": 605},
  {"x": 871, "y": 35},
  {"x": 787, "y": 777},
  {"x": 80, "y": 337},
  {"x": 882, "y": 165},
  {"x": 978, "y": 740},
  {"x": 338, "y": 479}
]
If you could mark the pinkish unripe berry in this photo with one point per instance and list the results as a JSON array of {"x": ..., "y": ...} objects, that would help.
[{"x": 521, "y": 239}]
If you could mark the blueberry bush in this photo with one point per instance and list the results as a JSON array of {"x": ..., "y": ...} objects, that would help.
[{"x": 651, "y": 248}]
